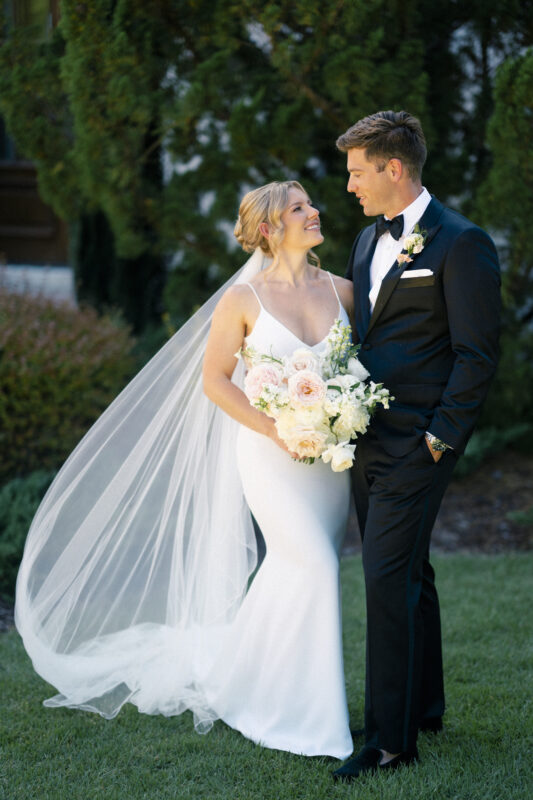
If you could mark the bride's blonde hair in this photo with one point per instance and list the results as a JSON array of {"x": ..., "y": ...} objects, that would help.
[{"x": 265, "y": 204}]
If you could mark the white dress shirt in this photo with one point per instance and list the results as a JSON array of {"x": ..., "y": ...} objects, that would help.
[{"x": 388, "y": 249}]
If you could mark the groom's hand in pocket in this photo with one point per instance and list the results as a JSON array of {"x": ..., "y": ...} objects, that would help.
[{"x": 437, "y": 454}]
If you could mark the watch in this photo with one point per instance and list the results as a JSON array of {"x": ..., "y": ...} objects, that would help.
[{"x": 437, "y": 444}]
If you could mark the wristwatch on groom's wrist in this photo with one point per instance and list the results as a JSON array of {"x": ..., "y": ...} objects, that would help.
[{"x": 437, "y": 444}]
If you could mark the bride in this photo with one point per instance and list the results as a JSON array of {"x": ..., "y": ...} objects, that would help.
[{"x": 139, "y": 582}]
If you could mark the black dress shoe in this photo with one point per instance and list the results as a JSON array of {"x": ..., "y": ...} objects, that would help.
[
  {"x": 402, "y": 758},
  {"x": 366, "y": 760},
  {"x": 431, "y": 725}
]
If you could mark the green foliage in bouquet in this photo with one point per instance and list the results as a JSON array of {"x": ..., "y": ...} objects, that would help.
[
  {"x": 19, "y": 500},
  {"x": 60, "y": 367}
]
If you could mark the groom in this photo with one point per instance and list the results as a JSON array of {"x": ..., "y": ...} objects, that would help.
[{"x": 427, "y": 317}]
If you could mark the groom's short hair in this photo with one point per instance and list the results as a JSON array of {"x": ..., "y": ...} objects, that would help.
[{"x": 386, "y": 135}]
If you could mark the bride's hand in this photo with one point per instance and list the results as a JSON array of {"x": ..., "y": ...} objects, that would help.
[{"x": 272, "y": 433}]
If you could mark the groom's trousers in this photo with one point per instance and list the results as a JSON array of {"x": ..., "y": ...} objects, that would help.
[{"x": 397, "y": 500}]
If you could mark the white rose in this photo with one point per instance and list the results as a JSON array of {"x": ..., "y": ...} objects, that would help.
[
  {"x": 302, "y": 359},
  {"x": 356, "y": 369},
  {"x": 341, "y": 456},
  {"x": 307, "y": 440},
  {"x": 413, "y": 240},
  {"x": 352, "y": 420}
]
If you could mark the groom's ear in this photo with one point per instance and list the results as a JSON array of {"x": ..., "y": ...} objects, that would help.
[
  {"x": 263, "y": 228},
  {"x": 395, "y": 169}
]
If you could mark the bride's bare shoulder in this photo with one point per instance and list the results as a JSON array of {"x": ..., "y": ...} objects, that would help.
[
  {"x": 345, "y": 289},
  {"x": 237, "y": 300}
]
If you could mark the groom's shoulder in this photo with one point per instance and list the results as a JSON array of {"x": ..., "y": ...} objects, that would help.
[
  {"x": 365, "y": 234},
  {"x": 457, "y": 224}
]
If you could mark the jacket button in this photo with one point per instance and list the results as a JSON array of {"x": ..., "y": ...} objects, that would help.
[{"x": 367, "y": 346}]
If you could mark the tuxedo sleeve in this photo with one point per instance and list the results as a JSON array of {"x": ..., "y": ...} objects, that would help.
[{"x": 471, "y": 282}]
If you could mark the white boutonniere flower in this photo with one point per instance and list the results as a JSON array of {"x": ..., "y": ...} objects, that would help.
[{"x": 412, "y": 245}]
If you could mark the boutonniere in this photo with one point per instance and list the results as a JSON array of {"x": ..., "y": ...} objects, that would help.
[{"x": 412, "y": 245}]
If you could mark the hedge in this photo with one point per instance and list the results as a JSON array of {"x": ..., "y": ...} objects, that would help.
[{"x": 60, "y": 367}]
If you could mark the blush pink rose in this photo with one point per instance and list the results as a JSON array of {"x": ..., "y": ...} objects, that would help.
[
  {"x": 403, "y": 258},
  {"x": 258, "y": 376},
  {"x": 306, "y": 388}
]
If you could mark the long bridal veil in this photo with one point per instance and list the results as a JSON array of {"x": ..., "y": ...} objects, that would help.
[{"x": 143, "y": 546}]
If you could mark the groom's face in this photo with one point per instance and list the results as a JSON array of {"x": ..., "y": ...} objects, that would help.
[{"x": 373, "y": 189}]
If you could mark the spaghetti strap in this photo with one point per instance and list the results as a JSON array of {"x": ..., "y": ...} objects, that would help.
[
  {"x": 334, "y": 289},
  {"x": 256, "y": 295}
]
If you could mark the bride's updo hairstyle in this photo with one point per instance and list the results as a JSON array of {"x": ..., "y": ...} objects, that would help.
[{"x": 265, "y": 204}]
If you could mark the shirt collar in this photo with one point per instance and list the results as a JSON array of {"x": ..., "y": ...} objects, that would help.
[{"x": 414, "y": 211}]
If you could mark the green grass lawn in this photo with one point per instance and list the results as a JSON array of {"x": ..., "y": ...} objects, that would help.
[{"x": 485, "y": 751}]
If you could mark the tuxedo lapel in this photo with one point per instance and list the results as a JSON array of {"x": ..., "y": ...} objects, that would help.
[
  {"x": 388, "y": 285},
  {"x": 361, "y": 274},
  {"x": 429, "y": 225},
  {"x": 428, "y": 222}
]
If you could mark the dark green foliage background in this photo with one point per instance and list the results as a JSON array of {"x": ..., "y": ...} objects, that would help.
[
  {"x": 60, "y": 368},
  {"x": 147, "y": 124},
  {"x": 19, "y": 500},
  {"x": 235, "y": 94}
]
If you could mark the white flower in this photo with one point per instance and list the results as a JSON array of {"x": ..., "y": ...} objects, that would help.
[
  {"x": 302, "y": 359},
  {"x": 289, "y": 417},
  {"x": 300, "y": 435},
  {"x": 414, "y": 240},
  {"x": 356, "y": 369},
  {"x": 413, "y": 245},
  {"x": 271, "y": 400},
  {"x": 341, "y": 456},
  {"x": 352, "y": 420}
]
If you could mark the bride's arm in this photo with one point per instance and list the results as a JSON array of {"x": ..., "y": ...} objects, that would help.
[
  {"x": 345, "y": 290},
  {"x": 226, "y": 337}
]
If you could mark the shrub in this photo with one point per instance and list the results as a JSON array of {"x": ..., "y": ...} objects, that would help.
[
  {"x": 522, "y": 517},
  {"x": 19, "y": 500},
  {"x": 60, "y": 367},
  {"x": 487, "y": 442},
  {"x": 509, "y": 398}
]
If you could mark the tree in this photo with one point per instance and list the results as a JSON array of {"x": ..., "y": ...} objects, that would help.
[
  {"x": 264, "y": 98},
  {"x": 147, "y": 127},
  {"x": 80, "y": 104},
  {"x": 505, "y": 203},
  {"x": 506, "y": 198}
]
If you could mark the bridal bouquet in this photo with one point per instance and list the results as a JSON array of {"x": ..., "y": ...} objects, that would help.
[{"x": 319, "y": 402}]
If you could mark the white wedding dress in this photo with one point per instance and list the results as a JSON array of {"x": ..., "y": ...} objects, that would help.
[
  {"x": 280, "y": 677},
  {"x": 133, "y": 584}
]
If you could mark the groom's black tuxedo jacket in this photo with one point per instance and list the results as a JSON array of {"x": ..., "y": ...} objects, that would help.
[{"x": 432, "y": 340}]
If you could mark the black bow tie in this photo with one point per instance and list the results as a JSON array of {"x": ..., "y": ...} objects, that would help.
[{"x": 393, "y": 226}]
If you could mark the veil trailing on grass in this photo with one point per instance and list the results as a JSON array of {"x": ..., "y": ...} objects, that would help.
[{"x": 143, "y": 546}]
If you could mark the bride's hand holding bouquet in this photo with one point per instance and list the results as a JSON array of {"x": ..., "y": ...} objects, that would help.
[{"x": 319, "y": 402}]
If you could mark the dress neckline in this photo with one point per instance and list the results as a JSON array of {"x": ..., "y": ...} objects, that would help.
[{"x": 310, "y": 346}]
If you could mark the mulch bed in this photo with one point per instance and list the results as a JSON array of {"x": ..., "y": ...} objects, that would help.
[{"x": 473, "y": 516}]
